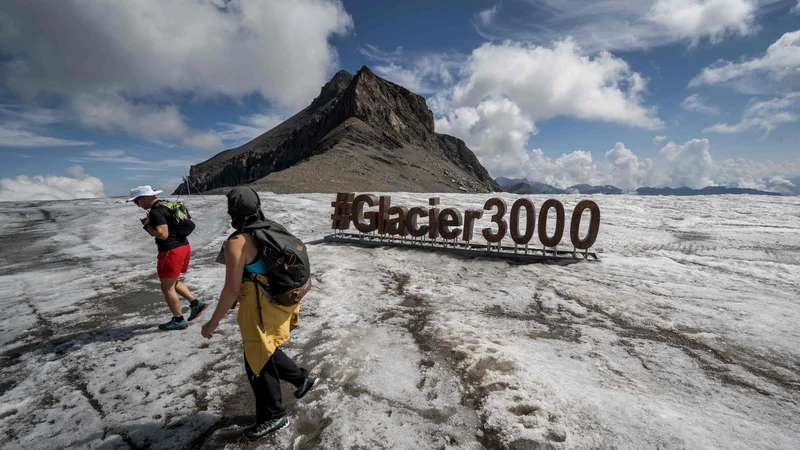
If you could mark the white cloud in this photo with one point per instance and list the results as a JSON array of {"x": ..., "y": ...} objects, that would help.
[
  {"x": 695, "y": 19},
  {"x": 695, "y": 103},
  {"x": 22, "y": 126},
  {"x": 778, "y": 69},
  {"x": 51, "y": 187},
  {"x": 249, "y": 128},
  {"x": 118, "y": 157},
  {"x": 561, "y": 80},
  {"x": 132, "y": 53},
  {"x": 620, "y": 25},
  {"x": 495, "y": 110},
  {"x": 762, "y": 115},
  {"x": 112, "y": 112},
  {"x": 279, "y": 49},
  {"x": 627, "y": 170},
  {"x": 796, "y": 8},
  {"x": 422, "y": 74},
  {"x": 12, "y": 136},
  {"x": 77, "y": 172},
  {"x": 565, "y": 171},
  {"x": 690, "y": 164},
  {"x": 496, "y": 130},
  {"x": 764, "y": 175},
  {"x": 658, "y": 139},
  {"x": 487, "y": 15},
  {"x": 104, "y": 153}
]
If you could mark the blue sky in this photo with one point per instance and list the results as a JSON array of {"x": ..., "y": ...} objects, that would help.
[{"x": 97, "y": 98}]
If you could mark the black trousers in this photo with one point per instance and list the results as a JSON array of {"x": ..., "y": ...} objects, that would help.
[{"x": 267, "y": 384}]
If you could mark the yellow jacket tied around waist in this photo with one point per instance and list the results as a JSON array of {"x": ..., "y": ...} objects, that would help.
[{"x": 277, "y": 321}]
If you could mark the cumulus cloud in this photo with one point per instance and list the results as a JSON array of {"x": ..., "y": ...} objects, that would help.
[
  {"x": 735, "y": 169},
  {"x": 132, "y": 53},
  {"x": 495, "y": 110},
  {"x": 561, "y": 80},
  {"x": 762, "y": 115},
  {"x": 567, "y": 170},
  {"x": 658, "y": 139},
  {"x": 695, "y": 103},
  {"x": 695, "y": 19},
  {"x": 496, "y": 130},
  {"x": 51, "y": 187},
  {"x": 690, "y": 164},
  {"x": 763, "y": 175},
  {"x": 617, "y": 25},
  {"x": 778, "y": 69},
  {"x": 278, "y": 48},
  {"x": 627, "y": 170}
]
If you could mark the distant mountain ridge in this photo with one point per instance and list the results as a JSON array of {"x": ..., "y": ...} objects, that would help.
[{"x": 524, "y": 187}]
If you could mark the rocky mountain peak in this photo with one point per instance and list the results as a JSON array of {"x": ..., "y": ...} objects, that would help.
[
  {"x": 362, "y": 132},
  {"x": 332, "y": 88}
]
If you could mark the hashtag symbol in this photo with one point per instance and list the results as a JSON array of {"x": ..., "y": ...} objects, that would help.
[{"x": 341, "y": 210}]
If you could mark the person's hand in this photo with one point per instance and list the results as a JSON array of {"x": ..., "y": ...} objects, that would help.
[
  {"x": 208, "y": 328},
  {"x": 146, "y": 219}
]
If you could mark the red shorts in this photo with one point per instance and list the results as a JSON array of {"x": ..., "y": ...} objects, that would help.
[{"x": 172, "y": 263}]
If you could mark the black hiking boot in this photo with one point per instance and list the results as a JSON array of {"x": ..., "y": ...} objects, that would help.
[
  {"x": 305, "y": 387},
  {"x": 263, "y": 429}
]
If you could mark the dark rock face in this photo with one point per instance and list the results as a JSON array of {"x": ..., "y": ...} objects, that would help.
[
  {"x": 589, "y": 189},
  {"x": 520, "y": 188},
  {"x": 361, "y": 133}
]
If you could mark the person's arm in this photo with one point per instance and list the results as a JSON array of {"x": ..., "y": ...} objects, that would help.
[
  {"x": 234, "y": 268},
  {"x": 156, "y": 224}
]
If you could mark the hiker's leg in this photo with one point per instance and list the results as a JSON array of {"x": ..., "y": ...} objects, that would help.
[
  {"x": 267, "y": 389},
  {"x": 286, "y": 369},
  {"x": 183, "y": 291},
  {"x": 171, "y": 296}
]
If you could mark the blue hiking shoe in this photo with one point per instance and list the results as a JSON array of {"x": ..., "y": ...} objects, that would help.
[
  {"x": 196, "y": 310},
  {"x": 305, "y": 387},
  {"x": 173, "y": 325},
  {"x": 263, "y": 429}
]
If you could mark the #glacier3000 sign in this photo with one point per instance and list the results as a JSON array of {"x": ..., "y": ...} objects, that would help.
[{"x": 448, "y": 228}]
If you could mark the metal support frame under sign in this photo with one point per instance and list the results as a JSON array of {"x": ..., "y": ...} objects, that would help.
[{"x": 463, "y": 248}]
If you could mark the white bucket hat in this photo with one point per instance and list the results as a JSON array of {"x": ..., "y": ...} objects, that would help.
[{"x": 142, "y": 191}]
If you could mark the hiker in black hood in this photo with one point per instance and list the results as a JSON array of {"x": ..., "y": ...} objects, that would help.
[
  {"x": 263, "y": 322},
  {"x": 244, "y": 207}
]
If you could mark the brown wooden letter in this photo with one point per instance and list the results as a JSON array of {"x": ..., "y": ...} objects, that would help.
[
  {"x": 502, "y": 226},
  {"x": 365, "y": 222},
  {"x": 433, "y": 218},
  {"x": 411, "y": 221},
  {"x": 469, "y": 223},
  {"x": 518, "y": 238},
  {"x": 575, "y": 224},
  {"x": 450, "y": 217},
  {"x": 383, "y": 213},
  {"x": 556, "y": 238},
  {"x": 397, "y": 225}
]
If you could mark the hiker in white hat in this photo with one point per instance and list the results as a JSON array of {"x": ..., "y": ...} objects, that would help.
[{"x": 174, "y": 253}]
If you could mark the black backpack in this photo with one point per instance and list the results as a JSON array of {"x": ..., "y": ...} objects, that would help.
[
  {"x": 286, "y": 260},
  {"x": 182, "y": 220}
]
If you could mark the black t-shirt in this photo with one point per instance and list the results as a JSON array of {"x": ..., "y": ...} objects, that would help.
[{"x": 160, "y": 215}]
